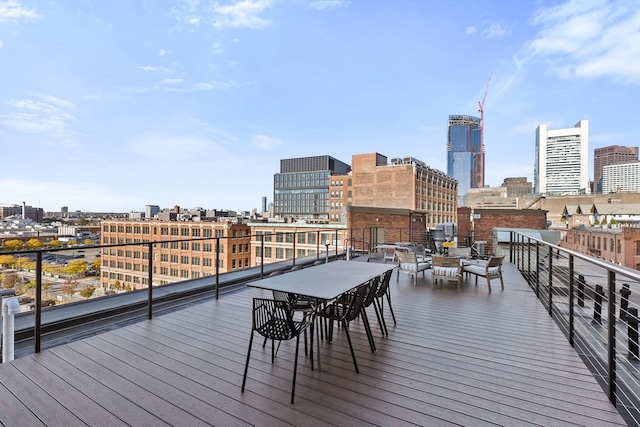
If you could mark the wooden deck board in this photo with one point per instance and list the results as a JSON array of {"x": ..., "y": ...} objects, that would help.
[{"x": 470, "y": 358}]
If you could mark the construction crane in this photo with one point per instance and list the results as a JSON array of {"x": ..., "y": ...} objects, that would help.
[{"x": 479, "y": 162}]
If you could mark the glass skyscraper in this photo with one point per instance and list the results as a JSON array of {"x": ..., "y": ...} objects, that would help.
[
  {"x": 301, "y": 189},
  {"x": 465, "y": 156}
]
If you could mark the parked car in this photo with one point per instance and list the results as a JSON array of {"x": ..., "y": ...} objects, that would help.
[
  {"x": 44, "y": 303},
  {"x": 25, "y": 299}
]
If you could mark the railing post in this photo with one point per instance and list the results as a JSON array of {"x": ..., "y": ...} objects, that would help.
[
  {"x": 294, "y": 248},
  {"x": 150, "y": 285},
  {"x": 550, "y": 297},
  {"x": 537, "y": 269},
  {"x": 261, "y": 256},
  {"x": 625, "y": 292},
  {"x": 597, "y": 305},
  {"x": 528, "y": 259},
  {"x": 218, "y": 267},
  {"x": 38, "y": 320},
  {"x": 336, "y": 241},
  {"x": 611, "y": 329},
  {"x": 317, "y": 244},
  {"x": 632, "y": 333},
  {"x": 511, "y": 246},
  {"x": 581, "y": 284},
  {"x": 571, "y": 306}
]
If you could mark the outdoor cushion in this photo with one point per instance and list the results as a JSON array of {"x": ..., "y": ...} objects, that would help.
[
  {"x": 412, "y": 266},
  {"x": 446, "y": 271}
]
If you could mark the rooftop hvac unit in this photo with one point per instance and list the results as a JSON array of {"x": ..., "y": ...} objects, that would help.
[
  {"x": 395, "y": 160},
  {"x": 407, "y": 160}
]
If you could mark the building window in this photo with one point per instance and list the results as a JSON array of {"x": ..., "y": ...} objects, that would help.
[
  {"x": 195, "y": 232},
  {"x": 195, "y": 261},
  {"x": 195, "y": 246},
  {"x": 279, "y": 237},
  {"x": 184, "y": 260},
  {"x": 184, "y": 232},
  {"x": 279, "y": 253},
  {"x": 267, "y": 252},
  {"x": 207, "y": 247},
  {"x": 206, "y": 233},
  {"x": 184, "y": 246},
  {"x": 174, "y": 231},
  {"x": 301, "y": 238}
]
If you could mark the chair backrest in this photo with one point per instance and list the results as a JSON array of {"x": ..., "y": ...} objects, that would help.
[
  {"x": 495, "y": 261},
  {"x": 272, "y": 319},
  {"x": 406, "y": 257},
  {"x": 373, "y": 289},
  {"x": 443, "y": 261},
  {"x": 384, "y": 284},
  {"x": 357, "y": 303}
]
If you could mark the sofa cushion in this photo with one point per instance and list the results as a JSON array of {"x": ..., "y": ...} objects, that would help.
[
  {"x": 446, "y": 271},
  {"x": 410, "y": 266}
]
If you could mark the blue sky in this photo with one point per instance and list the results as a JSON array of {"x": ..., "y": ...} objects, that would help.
[{"x": 112, "y": 105}]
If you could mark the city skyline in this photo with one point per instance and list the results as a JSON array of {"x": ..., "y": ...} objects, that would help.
[{"x": 111, "y": 106}]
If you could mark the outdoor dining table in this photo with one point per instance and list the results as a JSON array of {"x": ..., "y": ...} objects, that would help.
[{"x": 322, "y": 284}]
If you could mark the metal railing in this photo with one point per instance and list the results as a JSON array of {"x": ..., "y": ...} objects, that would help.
[
  {"x": 359, "y": 241},
  {"x": 595, "y": 304}
]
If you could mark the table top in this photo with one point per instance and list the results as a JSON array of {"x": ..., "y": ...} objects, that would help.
[{"x": 324, "y": 281}]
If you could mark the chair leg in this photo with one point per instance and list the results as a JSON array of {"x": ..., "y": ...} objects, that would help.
[
  {"x": 295, "y": 368},
  {"x": 246, "y": 365},
  {"x": 379, "y": 315},
  {"x": 489, "y": 283},
  {"x": 353, "y": 354},
  {"x": 367, "y": 329},
  {"x": 501, "y": 281},
  {"x": 390, "y": 307}
]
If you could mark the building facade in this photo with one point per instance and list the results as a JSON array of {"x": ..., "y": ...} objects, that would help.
[
  {"x": 22, "y": 211},
  {"x": 517, "y": 187},
  {"x": 561, "y": 165},
  {"x": 610, "y": 155},
  {"x": 621, "y": 177},
  {"x": 185, "y": 250},
  {"x": 465, "y": 154},
  {"x": 301, "y": 189},
  {"x": 617, "y": 245},
  {"x": 404, "y": 183}
]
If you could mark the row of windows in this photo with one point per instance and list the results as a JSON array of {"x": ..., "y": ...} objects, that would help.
[
  {"x": 173, "y": 231},
  {"x": 282, "y": 253},
  {"x": 310, "y": 238}
]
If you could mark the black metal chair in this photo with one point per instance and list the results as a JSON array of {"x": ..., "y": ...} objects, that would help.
[
  {"x": 273, "y": 320},
  {"x": 385, "y": 291},
  {"x": 344, "y": 312}
]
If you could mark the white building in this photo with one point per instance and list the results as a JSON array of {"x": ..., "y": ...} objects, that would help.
[
  {"x": 561, "y": 166},
  {"x": 621, "y": 177}
]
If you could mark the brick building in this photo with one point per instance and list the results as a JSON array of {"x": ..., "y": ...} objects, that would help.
[
  {"x": 404, "y": 183},
  {"x": 483, "y": 222},
  {"x": 22, "y": 211},
  {"x": 617, "y": 245},
  {"x": 186, "y": 250}
]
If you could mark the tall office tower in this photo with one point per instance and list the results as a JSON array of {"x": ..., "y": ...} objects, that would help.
[
  {"x": 64, "y": 211},
  {"x": 301, "y": 189},
  {"x": 264, "y": 203},
  {"x": 561, "y": 165},
  {"x": 465, "y": 157},
  {"x": 151, "y": 211},
  {"x": 621, "y": 177},
  {"x": 610, "y": 155}
]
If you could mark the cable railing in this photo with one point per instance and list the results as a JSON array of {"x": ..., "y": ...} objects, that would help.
[
  {"x": 326, "y": 246},
  {"x": 595, "y": 304}
]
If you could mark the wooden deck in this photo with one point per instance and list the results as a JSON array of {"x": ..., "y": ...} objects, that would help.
[{"x": 471, "y": 358}]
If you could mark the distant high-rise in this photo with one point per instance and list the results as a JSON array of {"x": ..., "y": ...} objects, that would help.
[
  {"x": 465, "y": 157},
  {"x": 611, "y": 155},
  {"x": 621, "y": 177},
  {"x": 301, "y": 189},
  {"x": 264, "y": 204},
  {"x": 561, "y": 165},
  {"x": 150, "y": 211}
]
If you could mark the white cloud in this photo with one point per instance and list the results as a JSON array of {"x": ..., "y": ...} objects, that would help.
[
  {"x": 472, "y": 30},
  {"x": 239, "y": 14},
  {"x": 13, "y": 11},
  {"x": 163, "y": 52},
  {"x": 170, "y": 81},
  {"x": 265, "y": 142},
  {"x": 327, "y": 4},
  {"x": 589, "y": 39},
  {"x": 46, "y": 114},
  {"x": 494, "y": 31}
]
